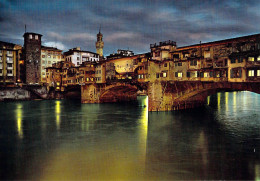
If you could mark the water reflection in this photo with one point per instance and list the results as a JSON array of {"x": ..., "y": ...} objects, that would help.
[
  {"x": 125, "y": 142},
  {"x": 19, "y": 116},
  {"x": 57, "y": 113}
]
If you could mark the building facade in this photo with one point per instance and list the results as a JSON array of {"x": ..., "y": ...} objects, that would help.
[
  {"x": 78, "y": 56},
  {"x": 49, "y": 56},
  {"x": 9, "y": 63}
]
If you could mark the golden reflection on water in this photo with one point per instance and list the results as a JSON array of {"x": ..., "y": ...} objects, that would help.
[
  {"x": 208, "y": 100},
  {"x": 144, "y": 130},
  {"x": 218, "y": 96},
  {"x": 110, "y": 159},
  {"x": 57, "y": 113},
  {"x": 226, "y": 100},
  {"x": 19, "y": 115}
]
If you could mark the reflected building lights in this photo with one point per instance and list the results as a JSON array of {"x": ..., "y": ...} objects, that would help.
[
  {"x": 226, "y": 100},
  {"x": 208, "y": 100},
  {"x": 57, "y": 113},
  {"x": 218, "y": 96},
  {"x": 144, "y": 130},
  {"x": 19, "y": 116}
]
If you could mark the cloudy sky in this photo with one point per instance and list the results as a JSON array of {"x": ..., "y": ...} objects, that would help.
[{"x": 127, "y": 23}]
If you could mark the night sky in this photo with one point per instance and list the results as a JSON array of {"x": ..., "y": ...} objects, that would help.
[{"x": 127, "y": 23}]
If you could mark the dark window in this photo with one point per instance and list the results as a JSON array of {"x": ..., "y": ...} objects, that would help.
[
  {"x": 165, "y": 65},
  {"x": 157, "y": 75},
  {"x": 179, "y": 64},
  {"x": 176, "y": 74},
  {"x": 233, "y": 60},
  {"x": 188, "y": 74},
  {"x": 240, "y": 60}
]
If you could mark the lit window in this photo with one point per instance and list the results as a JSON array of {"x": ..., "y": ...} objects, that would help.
[
  {"x": 206, "y": 74},
  {"x": 206, "y": 54},
  {"x": 251, "y": 59},
  {"x": 164, "y": 74},
  {"x": 30, "y": 36},
  {"x": 36, "y": 37},
  {"x": 258, "y": 58},
  {"x": 258, "y": 73},
  {"x": 179, "y": 74},
  {"x": 251, "y": 73}
]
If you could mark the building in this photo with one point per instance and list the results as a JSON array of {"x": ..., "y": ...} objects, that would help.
[
  {"x": 54, "y": 76},
  {"x": 10, "y": 55},
  {"x": 78, "y": 56},
  {"x": 162, "y": 51},
  {"x": 120, "y": 54},
  {"x": 99, "y": 44},
  {"x": 49, "y": 56},
  {"x": 32, "y": 55}
]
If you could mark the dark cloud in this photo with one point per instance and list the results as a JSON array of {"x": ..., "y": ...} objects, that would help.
[{"x": 128, "y": 24}]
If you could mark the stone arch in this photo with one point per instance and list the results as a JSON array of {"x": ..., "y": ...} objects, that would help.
[{"x": 118, "y": 93}]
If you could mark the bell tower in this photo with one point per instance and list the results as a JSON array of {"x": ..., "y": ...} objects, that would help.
[{"x": 99, "y": 44}]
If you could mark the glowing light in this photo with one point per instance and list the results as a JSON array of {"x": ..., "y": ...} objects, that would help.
[
  {"x": 19, "y": 115},
  {"x": 143, "y": 130},
  {"x": 208, "y": 100},
  {"x": 218, "y": 95},
  {"x": 226, "y": 100},
  {"x": 57, "y": 111}
]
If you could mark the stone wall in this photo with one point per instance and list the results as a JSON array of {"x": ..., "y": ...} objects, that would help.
[{"x": 14, "y": 94}]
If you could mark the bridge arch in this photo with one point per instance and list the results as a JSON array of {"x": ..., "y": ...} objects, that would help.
[
  {"x": 184, "y": 95},
  {"x": 118, "y": 92}
]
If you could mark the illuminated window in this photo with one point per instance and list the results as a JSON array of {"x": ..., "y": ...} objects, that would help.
[
  {"x": 251, "y": 59},
  {"x": 36, "y": 37},
  {"x": 179, "y": 74},
  {"x": 258, "y": 73},
  {"x": 30, "y": 36},
  {"x": 206, "y": 74},
  {"x": 49, "y": 56},
  {"x": 164, "y": 74},
  {"x": 258, "y": 58},
  {"x": 251, "y": 73},
  {"x": 206, "y": 54}
]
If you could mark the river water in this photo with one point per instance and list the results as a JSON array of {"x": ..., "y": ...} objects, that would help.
[{"x": 66, "y": 140}]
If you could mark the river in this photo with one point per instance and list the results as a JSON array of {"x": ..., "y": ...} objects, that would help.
[{"x": 67, "y": 140}]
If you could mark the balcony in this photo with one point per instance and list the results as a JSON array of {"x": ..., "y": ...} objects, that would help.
[
  {"x": 10, "y": 74},
  {"x": 10, "y": 68}
]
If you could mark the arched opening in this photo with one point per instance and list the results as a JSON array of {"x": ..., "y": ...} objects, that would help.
[{"x": 119, "y": 94}]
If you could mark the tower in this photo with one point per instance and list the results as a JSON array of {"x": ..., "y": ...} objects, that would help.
[
  {"x": 32, "y": 52},
  {"x": 99, "y": 44}
]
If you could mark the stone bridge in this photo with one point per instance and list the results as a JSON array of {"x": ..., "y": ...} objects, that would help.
[
  {"x": 167, "y": 96},
  {"x": 116, "y": 92},
  {"x": 163, "y": 95}
]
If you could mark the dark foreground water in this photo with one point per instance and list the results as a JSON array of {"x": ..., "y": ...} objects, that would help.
[{"x": 66, "y": 140}]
